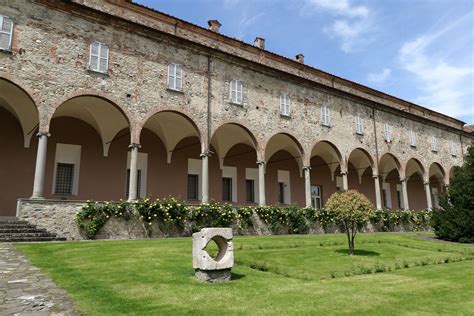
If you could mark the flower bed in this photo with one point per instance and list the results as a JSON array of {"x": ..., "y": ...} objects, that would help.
[{"x": 173, "y": 218}]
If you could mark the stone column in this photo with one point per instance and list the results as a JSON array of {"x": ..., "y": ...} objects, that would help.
[
  {"x": 205, "y": 177},
  {"x": 428, "y": 195},
  {"x": 405, "y": 194},
  {"x": 307, "y": 185},
  {"x": 261, "y": 182},
  {"x": 132, "y": 188},
  {"x": 345, "y": 184},
  {"x": 38, "y": 184},
  {"x": 378, "y": 197}
]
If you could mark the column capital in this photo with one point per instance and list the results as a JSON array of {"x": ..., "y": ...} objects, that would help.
[
  {"x": 375, "y": 175},
  {"x": 426, "y": 182},
  {"x": 134, "y": 145},
  {"x": 205, "y": 154},
  {"x": 343, "y": 172},
  {"x": 261, "y": 162},
  {"x": 403, "y": 179},
  {"x": 39, "y": 134},
  {"x": 306, "y": 167}
]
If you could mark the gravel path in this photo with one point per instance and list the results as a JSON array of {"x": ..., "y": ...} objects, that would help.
[{"x": 25, "y": 290}]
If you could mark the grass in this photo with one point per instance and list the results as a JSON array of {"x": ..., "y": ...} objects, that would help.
[{"x": 309, "y": 274}]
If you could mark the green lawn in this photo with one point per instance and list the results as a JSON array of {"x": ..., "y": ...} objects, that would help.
[{"x": 309, "y": 274}]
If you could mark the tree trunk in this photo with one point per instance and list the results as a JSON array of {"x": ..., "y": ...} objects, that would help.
[{"x": 350, "y": 243}]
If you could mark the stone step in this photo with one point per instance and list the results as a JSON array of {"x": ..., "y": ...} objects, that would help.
[
  {"x": 23, "y": 225},
  {"x": 29, "y": 239},
  {"x": 21, "y": 235},
  {"x": 22, "y": 230}
]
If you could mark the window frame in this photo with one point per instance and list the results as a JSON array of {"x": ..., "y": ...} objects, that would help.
[
  {"x": 453, "y": 149},
  {"x": 139, "y": 184},
  {"x": 98, "y": 56},
  {"x": 10, "y": 34},
  {"x": 70, "y": 184},
  {"x": 173, "y": 77},
  {"x": 387, "y": 132},
  {"x": 238, "y": 92},
  {"x": 315, "y": 198},
  {"x": 434, "y": 144},
  {"x": 250, "y": 184},
  {"x": 281, "y": 192},
  {"x": 227, "y": 181},
  {"x": 325, "y": 116},
  {"x": 196, "y": 198},
  {"x": 358, "y": 124},
  {"x": 412, "y": 138},
  {"x": 285, "y": 104}
]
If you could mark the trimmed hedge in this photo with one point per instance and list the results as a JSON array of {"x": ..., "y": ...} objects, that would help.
[{"x": 172, "y": 215}]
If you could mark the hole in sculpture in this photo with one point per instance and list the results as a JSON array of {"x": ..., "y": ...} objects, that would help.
[{"x": 216, "y": 247}]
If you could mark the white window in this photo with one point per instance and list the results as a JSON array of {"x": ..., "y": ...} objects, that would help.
[
  {"x": 251, "y": 181},
  {"x": 175, "y": 77},
  {"x": 434, "y": 144},
  {"x": 99, "y": 57},
  {"x": 285, "y": 104},
  {"x": 387, "y": 132},
  {"x": 325, "y": 116},
  {"x": 387, "y": 197},
  {"x": 66, "y": 169},
  {"x": 284, "y": 190},
  {"x": 358, "y": 124},
  {"x": 316, "y": 201},
  {"x": 194, "y": 178},
  {"x": 453, "y": 149},
  {"x": 229, "y": 184},
  {"x": 6, "y": 32},
  {"x": 236, "y": 91},
  {"x": 412, "y": 138}
]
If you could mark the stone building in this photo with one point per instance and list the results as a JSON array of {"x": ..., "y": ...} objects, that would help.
[{"x": 109, "y": 100}]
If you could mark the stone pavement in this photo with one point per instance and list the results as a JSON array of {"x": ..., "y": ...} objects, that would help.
[{"x": 25, "y": 290}]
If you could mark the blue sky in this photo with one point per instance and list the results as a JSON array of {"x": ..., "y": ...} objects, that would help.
[{"x": 420, "y": 51}]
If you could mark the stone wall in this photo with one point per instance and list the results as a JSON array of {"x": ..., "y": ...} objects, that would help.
[{"x": 59, "y": 217}]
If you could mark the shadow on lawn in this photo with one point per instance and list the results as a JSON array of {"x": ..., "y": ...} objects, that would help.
[
  {"x": 237, "y": 276},
  {"x": 359, "y": 252}
]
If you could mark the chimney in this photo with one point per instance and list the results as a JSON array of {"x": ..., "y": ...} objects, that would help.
[
  {"x": 300, "y": 58},
  {"x": 214, "y": 25},
  {"x": 260, "y": 42}
]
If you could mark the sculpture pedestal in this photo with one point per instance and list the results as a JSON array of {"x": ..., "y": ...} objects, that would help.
[{"x": 213, "y": 276}]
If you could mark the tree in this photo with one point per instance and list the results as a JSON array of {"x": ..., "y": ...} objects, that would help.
[
  {"x": 351, "y": 211},
  {"x": 454, "y": 220}
]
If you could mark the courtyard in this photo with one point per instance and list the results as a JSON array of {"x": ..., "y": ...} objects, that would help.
[{"x": 390, "y": 273}]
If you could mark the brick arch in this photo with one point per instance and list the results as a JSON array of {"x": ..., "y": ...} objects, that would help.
[
  {"x": 184, "y": 113},
  {"x": 286, "y": 133},
  {"x": 327, "y": 157},
  {"x": 101, "y": 95},
  {"x": 22, "y": 114},
  {"x": 24, "y": 87},
  {"x": 444, "y": 177},
  {"x": 419, "y": 163},
  {"x": 400, "y": 168},
  {"x": 255, "y": 141}
]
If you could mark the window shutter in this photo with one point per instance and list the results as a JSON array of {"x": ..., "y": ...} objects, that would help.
[
  {"x": 282, "y": 104},
  {"x": 358, "y": 123},
  {"x": 288, "y": 105},
  {"x": 240, "y": 92},
  {"x": 388, "y": 132},
  {"x": 99, "y": 57},
  {"x": 6, "y": 33},
  {"x": 434, "y": 144},
  {"x": 179, "y": 77},
  {"x": 328, "y": 116},
  {"x": 453, "y": 149},
  {"x": 104, "y": 58}
]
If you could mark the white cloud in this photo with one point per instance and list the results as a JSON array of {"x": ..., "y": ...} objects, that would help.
[
  {"x": 352, "y": 25},
  {"x": 380, "y": 77},
  {"x": 446, "y": 82}
]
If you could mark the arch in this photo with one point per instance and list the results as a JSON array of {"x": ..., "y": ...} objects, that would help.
[
  {"x": 103, "y": 114},
  {"x": 171, "y": 127},
  {"x": 413, "y": 166},
  {"x": 387, "y": 163},
  {"x": 330, "y": 154},
  {"x": 361, "y": 160},
  {"x": 287, "y": 142},
  {"x": 228, "y": 135},
  {"x": 436, "y": 170},
  {"x": 21, "y": 105}
]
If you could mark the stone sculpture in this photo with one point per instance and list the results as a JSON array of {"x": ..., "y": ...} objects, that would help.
[{"x": 211, "y": 269}]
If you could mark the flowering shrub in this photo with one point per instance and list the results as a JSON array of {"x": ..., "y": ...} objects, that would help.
[
  {"x": 388, "y": 219},
  {"x": 171, "y": 215},
  {"x": 213, "y": 215}
]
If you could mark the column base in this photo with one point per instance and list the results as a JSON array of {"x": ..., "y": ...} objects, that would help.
[
  {"x": 213, "y": 276},
  {"x": 37, "y": 198}
]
